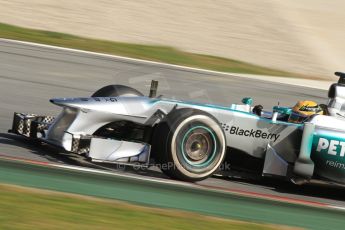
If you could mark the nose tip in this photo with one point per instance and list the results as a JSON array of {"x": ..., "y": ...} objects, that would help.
[{"x": 57, "y": 101}]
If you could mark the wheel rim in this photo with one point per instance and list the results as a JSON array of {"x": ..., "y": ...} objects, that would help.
[{"x": 199, "y": 146}]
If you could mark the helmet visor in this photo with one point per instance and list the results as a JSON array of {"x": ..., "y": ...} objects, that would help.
[
  {"x": 297, "y": 117},
  {"x": 313, "y": 109}
]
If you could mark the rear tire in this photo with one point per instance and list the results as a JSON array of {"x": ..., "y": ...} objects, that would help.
[
  {"x": 117, "y": 90},
  {"x": 189, "y": 144}
]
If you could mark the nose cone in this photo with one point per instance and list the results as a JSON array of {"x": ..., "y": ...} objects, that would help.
[
  {"x": 134, "y": 106},
  {"x": 73, "y": 102},
  {"x": 101, "y": 104},
  {"x": 58, "y": 101}
]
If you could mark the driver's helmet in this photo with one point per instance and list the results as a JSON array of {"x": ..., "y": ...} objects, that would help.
[{"x": 304, "y": 109}]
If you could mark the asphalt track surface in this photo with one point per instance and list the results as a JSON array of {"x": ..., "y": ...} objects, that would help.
[{"x": 30, "y": 75}]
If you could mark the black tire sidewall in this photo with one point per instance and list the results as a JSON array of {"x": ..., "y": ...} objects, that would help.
[
  {"x": 169, "y": 136},
  {"x": 116, "y": 90}
]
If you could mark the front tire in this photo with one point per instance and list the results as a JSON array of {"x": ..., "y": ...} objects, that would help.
[
  {"x": 117, "y": 90},
  {"x": 189, "y": 144}
]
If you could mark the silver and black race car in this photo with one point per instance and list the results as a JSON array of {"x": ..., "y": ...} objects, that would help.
[{"x": 191, "y": 141}]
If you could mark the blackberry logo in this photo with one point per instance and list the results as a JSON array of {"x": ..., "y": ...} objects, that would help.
[{"x": 259, "y": 134}]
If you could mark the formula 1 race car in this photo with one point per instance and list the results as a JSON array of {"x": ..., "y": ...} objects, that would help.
[{"x": 191, "y": 141}]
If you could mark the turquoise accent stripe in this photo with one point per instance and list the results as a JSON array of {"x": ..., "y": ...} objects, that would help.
[{"x": 155, "y": 101}]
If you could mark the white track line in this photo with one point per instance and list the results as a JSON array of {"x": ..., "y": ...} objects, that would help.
[
  {"x": 337, "y": 207},
  {"x": 180, "y": 183},
  {"x": 98, "y": 171},
  {"x": 283, "y": 80},
  {"x": 196, "y": 186},
  {"x": 186, "y": 184}
]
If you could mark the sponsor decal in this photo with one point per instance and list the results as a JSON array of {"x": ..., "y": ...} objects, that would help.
[
  {"x": 331, "y": 147},
  {"x": 99, "y": 99},
  {"x": 259, "y": 134},
  {"x": 106, "y": 99},
  {"x": 335, "y": 164},
  {"x": 329, "y": 157}
]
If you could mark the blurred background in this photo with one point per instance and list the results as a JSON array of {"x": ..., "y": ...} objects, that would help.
[
  {"x": 299, "y": 42},
  {"x": 298, "y": 36}
]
